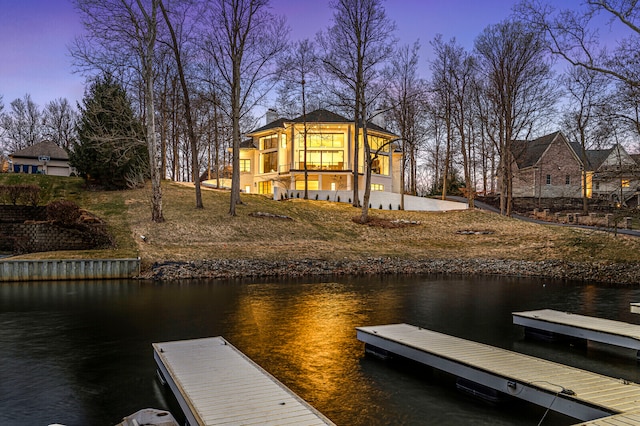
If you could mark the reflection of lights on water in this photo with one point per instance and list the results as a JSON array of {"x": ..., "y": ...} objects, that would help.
[{"x": 307, "y": 339}]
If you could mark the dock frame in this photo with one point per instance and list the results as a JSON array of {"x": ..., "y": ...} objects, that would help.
[
  {"x": 601, "y": 330},
  {"x": 570, "y": 391},
  {"x": 214, "y": 384}
]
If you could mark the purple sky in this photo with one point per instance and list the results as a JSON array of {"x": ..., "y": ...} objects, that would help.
[{"x": 34, "y": 35}]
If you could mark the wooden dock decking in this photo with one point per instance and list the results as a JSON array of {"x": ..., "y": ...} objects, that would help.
[
  {"x": 216, "y": 384},
  {"x": 584, "y": 327},
  {"x": 571, "y": 391}
]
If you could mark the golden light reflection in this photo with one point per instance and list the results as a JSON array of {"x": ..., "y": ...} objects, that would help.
[{"x": 307, "y": 340}]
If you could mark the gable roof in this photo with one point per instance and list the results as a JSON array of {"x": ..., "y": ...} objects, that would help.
[
  {"x": 46, "y": 148},
  {"x": 528, "y": 153},
  {"x": 317, "y": 116}
]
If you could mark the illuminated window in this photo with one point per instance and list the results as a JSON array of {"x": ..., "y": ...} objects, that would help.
[
  {"x": 321, "y": 140},
  {"x": 380, "y": 165},
  {"x": 375, "y": 143},
  {"x": 264, "y": 187},
  {"x": 312, "y": 185},
  {"x": 322, "y": 160},
  {"x": 625, "y": 183},
  {"x": 245, "y": 165},
  {"x": 377, "y": 187},
  {"x": 269, "y": 162},
  {"x": 283, "y": 141},
  {"x": 247, "y": 189},
  {"x": 269, "y": 142}
]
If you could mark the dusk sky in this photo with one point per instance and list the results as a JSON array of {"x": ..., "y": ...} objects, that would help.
[{"x": 35, "y": 35}]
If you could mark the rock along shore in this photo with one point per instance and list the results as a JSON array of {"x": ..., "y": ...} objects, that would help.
[{"x": 606, "y": 273}]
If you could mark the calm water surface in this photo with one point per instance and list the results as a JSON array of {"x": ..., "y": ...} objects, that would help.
[{"x": 80, "y": 353}]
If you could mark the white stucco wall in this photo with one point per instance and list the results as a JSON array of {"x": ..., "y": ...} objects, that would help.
[{"x": 378, "y": 198}]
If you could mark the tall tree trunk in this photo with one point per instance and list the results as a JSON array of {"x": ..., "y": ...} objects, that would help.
[
  {"x": 193, "y": 142},
  {"x": 235, "y": 119},
  {"x": 152, "y": 143}
]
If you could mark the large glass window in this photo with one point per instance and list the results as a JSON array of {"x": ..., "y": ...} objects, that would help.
[
  {"x": 380, "y": 165},
  {"x": 312, "y": 185},
  {"x": 321, "y": 140},
  {"x": 375, "y": 143},
  {"x": 269, "y": 162},
  {"x": 269, "y": 142},
  {"x": 377, "y": 187},
  {"x": 322, "y": 160},
  {"x": 264, "y": 187},
  {"x": 245, "y": 165}
]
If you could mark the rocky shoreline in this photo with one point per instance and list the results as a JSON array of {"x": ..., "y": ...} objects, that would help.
[{"x": 605, "y": 273}]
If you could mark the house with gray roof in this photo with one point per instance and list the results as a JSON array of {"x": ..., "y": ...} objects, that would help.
[
  {"x": 44, "y": 157},
  {"x": 320, "y": 145},
  {"x": 553, "y": 167}
]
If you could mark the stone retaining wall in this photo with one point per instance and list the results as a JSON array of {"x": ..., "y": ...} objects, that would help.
[
  {"x": 10, "y": 213},
  {"x": 601, "y": 272},
  {"x": 46, "y": 236}
]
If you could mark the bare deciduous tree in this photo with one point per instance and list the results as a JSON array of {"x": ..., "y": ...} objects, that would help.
[
  {"x": 587, "y": 96},
  {"x": 243, "y": 41},
  {"x": 299, "y": 71},
  {"x": 121, "y": 36},
  {"x": 59, "y": 120},
  {"x": 517, "y": 77},
  {"x": 354, "y": 48},
  {"x": 22, "y": 124},
  {"x": 178, "y": 55},
  {"x": 406, "y": 95}
]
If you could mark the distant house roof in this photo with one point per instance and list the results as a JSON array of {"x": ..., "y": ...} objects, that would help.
[
  {"x": 528, "y": 153},
  {"x": 44, "y": 148},
  {"x": 317, "y": 116}
]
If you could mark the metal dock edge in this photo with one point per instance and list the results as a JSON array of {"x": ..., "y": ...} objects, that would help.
[
  {"x": 571, "y": 391},
  {"x": 601, "y": 330},
  {"x": 216, "y": 384}
]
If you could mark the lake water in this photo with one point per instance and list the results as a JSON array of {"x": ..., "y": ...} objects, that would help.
[{"x": 80, "y": 353}]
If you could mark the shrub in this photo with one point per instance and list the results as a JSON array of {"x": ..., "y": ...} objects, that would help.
[
  {"x": 316, "y": 197},
  {"x": 380, "y": 207},
  {"x": 328, "y": 198},
  {"x": 399, "y": 207},
  {"x": 63, "y": 211},
  {"x": 31, "y": 194},
  {"x": 390, "y": 206},
  {"x": 22, "y": 193},
  {"x": 338, "y": 198}
]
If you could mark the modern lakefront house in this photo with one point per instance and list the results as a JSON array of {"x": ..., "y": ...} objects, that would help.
[{"x": 273, "y": 159}]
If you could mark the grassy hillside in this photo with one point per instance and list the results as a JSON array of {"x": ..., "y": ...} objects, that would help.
[{"x": 317, "y": 230}]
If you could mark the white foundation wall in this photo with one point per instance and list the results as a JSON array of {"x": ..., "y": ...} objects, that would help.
[{"x": 378, "y": 199}]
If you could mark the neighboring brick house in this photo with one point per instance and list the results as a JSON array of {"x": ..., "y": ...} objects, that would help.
[
  {"x": 547, "y": 167},
  {"x": 552, "y": 167},
  {"x": 45, "y": 157}
]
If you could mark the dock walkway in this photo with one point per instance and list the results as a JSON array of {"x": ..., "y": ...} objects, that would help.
[
  {"x": 601, "y": 330},
  {"x": 571, "y": 391},
  {"x": 216, "y": 384}
]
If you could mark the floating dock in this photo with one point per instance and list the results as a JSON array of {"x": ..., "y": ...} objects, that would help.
[
  {"x": 216, "y": 384},
  {"x": 571, "y": 391},
  {"x": 601, "y": 330}
]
